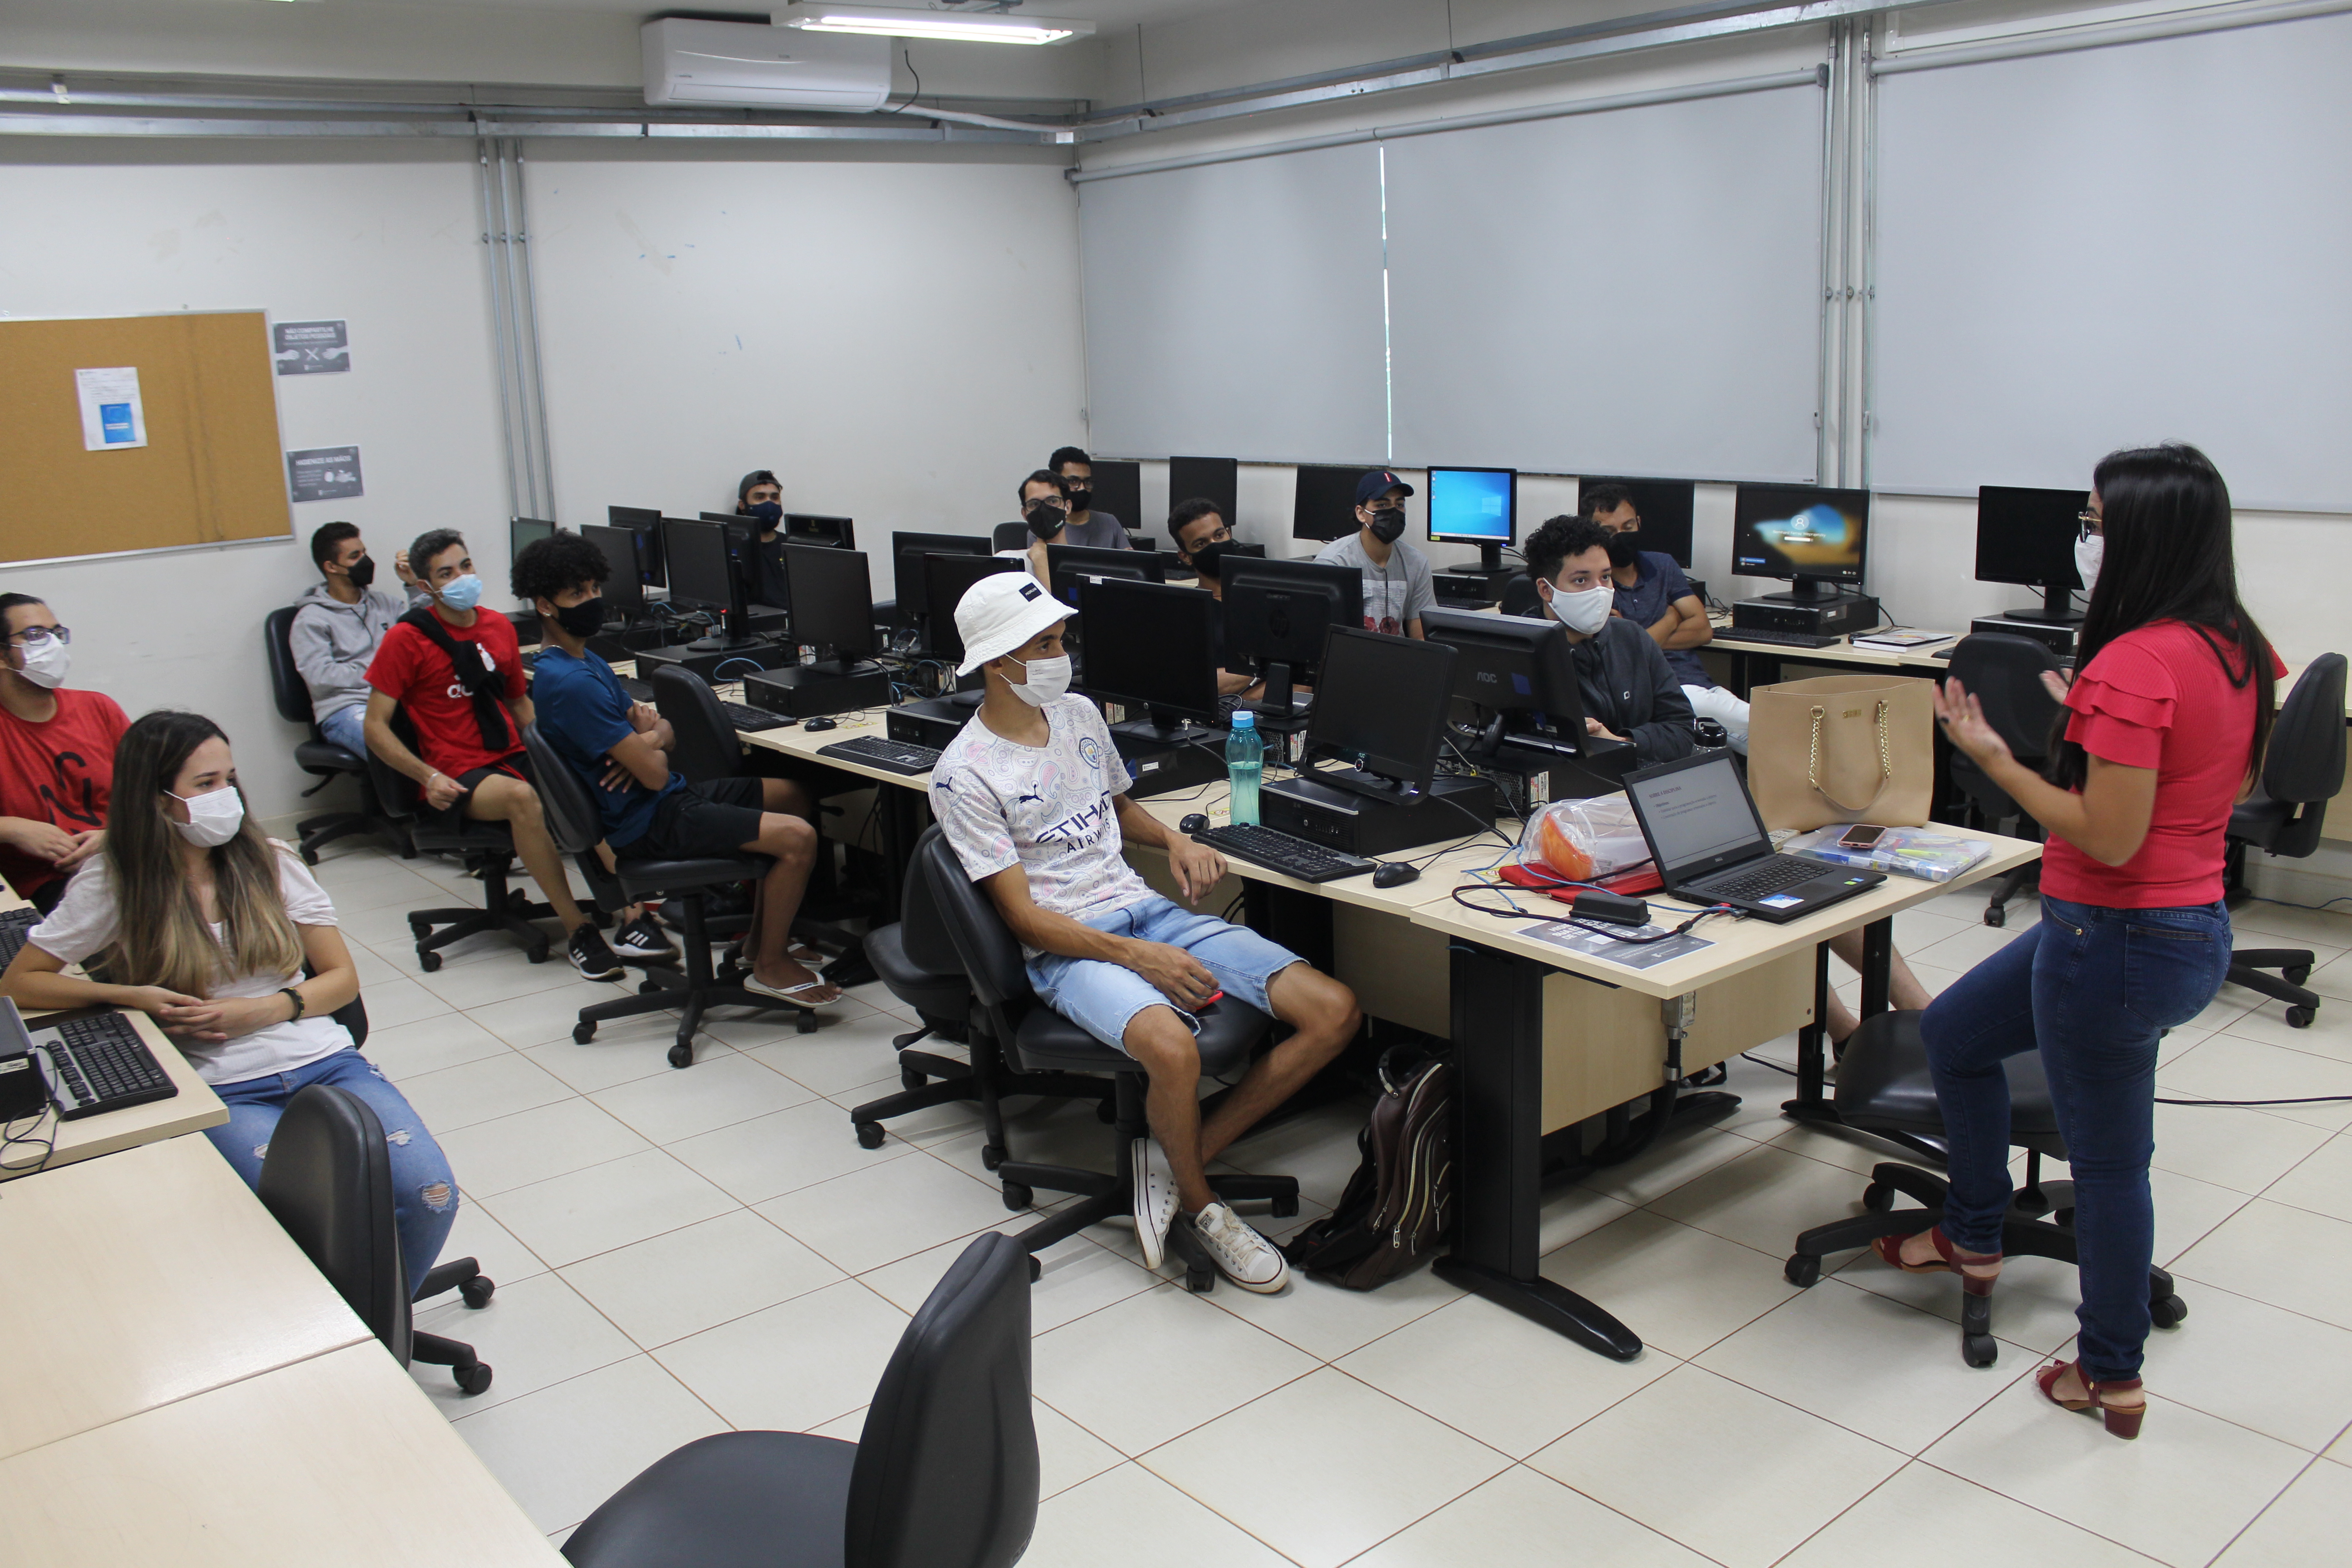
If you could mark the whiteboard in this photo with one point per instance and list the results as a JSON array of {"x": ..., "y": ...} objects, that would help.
[
  {"x": 1635, "y": 291},
  {"x": 2082, "y": 251},
  {"x": 1235, "y": 310}
]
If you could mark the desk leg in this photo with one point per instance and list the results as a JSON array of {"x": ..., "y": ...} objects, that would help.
[
  {"x": 1878, "y": 966},
  {"x": 1497, "y": 1020},
  {"x": 1812, "y": 1103}
]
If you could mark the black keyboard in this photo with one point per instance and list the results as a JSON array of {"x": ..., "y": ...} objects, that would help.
[
  {"x": 98, "y": 1064},
  {"x": 898, "y": 756},
  {"x": 1284, "y": 852},
  {"x": 1775, "y": 875},
  {"x": 15, "y": 926},
  {"x": 1781, "y": 639},
  {"x": 744, "y": 716},
  {"x": 635, "y": 690}
]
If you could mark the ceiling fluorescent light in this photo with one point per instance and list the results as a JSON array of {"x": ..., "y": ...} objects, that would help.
[{"x": 948, "y": 26}]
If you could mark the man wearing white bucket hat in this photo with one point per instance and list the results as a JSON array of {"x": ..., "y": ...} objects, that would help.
[{"x": 1033, "y": 797}]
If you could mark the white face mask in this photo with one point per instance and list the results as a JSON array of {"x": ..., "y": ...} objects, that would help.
[
  {"x": 1048, "y": 679},
  {"x": 1584, "y": 611},
  {"x": 213, "y": 817},
  {"x": 46, "y": 663},
  {"x": 2089, "y": 556}
]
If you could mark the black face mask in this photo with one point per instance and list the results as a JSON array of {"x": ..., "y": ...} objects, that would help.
[
  {"x": 770, "y": 514},
  {"x": 1209, "y": 560},
  {"x": 362, "y": 572},
  {"x": 583, "y": 619},
  {"x": 1080, "y": 500},
  {"x": 1046, "y": 518},
  {"x": 1624, "y": 548},
  {"x": 1388, "y": 523}
]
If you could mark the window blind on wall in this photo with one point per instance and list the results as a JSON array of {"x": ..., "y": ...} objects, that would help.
[
  {"x": 2114, "y": 247},
  {"x": 1632, "y": 291},
  {"x": 1235, "y": 309}
]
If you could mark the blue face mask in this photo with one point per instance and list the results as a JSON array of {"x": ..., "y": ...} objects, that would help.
[
  {"x": 767, "y": 511},
  {"x": 461, "y": 593}
]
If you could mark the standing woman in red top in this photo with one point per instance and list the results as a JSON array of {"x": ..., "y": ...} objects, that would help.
[
  {"x": 2163, "y": 728},
  {"x": 57, "y": 754}
]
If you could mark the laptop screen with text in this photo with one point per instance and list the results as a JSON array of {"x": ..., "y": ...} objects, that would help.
[{"x": 1696, "y": 814}]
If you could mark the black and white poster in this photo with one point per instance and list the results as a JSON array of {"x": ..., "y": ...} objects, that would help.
[
  {"x": 323, "y": 473},
  {"x": 311, "y": 347}
]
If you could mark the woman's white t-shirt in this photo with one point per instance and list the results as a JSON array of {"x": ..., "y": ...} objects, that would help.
[{"x": 86, "y": 922}]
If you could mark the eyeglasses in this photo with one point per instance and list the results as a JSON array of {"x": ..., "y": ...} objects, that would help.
[
  {"x": 2091, "y": 523},
  {"x": 34, "y": 636}
]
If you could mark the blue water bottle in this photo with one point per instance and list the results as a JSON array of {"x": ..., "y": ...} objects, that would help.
[{"x": 1244, "y": 761}]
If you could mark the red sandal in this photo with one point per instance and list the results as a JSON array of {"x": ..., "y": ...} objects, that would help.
[
  {"x": 1948, "y": 1259},
  {"x": 2123, "y": 1421}
]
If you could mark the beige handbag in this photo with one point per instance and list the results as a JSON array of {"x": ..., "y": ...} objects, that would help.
[{"x": 1842, "y": 748}]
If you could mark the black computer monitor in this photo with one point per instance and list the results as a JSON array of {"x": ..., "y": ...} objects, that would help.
[
  {"x": 622, "y": 589},
  {"x": 1151, "y": 647},
  {"x": 1218, "y": 479},
  {"x": 832, "y": 533},
  {"x": 526, "y": 530},
  {"x": 946, "y": 580},
  {"x": 2027, "y": 536},
  {"x": 1475, "y": 506},
  {"x": 1067, "y": 566},
  {"x": 833, "y": 603},
  {"x": 1381, "y": 704},
  {"x": 707, "y": 574},
  {"x": 1119, "y": 490},
  {"x": 1816, "y": 537},
  {"x": 1324, "y": 505},
  {"x": 1277, "y": 613},
  {"x": 652, "y": 565},
  {"x": 906, "y": 553},
  {"x": 1662, "y": 505},
  {"x": 1521, "y": 674}
]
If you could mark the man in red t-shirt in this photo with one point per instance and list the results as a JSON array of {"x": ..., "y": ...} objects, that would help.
[
  {"x": 56, "y": 755},
  {"x": 469, "y": 715}
]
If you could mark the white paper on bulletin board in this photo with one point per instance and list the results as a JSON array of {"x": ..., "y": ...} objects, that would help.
[{"x": 110, "y": 415}]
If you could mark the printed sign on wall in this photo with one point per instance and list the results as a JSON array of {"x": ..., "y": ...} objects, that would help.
[
  {"x": 311, "y": 347},
  {"x": 323, "y": 473},
  {"x": 110, "y": 414}
]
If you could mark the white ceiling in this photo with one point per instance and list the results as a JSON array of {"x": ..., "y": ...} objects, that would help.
[{"x": 1106, "y": 15}]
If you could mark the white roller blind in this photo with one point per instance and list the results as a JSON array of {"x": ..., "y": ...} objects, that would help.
[
  {"x": 2082, "y": 251},
  {"x": 1233, "y": 309},
  {"x": 1632, "y": 291}
]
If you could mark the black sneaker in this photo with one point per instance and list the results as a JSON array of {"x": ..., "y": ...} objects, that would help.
[
  {"x": 643, "y": 939},
  {"x": 590, "y": 956}
]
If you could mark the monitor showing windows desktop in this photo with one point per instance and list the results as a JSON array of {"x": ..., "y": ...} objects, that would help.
[
  {"x": 1816, "y": 538},
  {"x": 1475, "y": 506}
]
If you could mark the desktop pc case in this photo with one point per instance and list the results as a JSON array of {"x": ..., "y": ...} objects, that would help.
[
  {"x": 815, "y": 691},
  {"x": 1453, "y": 806},
  {"x": 1840, "y": 617},
  {"x": 718, "y": 667},
  {"x": 934, "y": 722}
]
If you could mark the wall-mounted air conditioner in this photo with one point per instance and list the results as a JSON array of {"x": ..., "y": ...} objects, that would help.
[{"x": 767, "y": 67}]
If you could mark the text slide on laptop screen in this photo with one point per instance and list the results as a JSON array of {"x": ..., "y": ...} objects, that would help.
[{"x": 1697, "y": 815}]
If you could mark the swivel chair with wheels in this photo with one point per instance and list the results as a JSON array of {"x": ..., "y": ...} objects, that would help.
[
  {"x": 485, "y": 848},
  {"x": 574, "y": 822},
  {"x": 2005, "y": 672},
  {"x": 1884, "y": 1087},
  {"x": 1010, "y": 536},
  {"x": 1039, "y": 1039},
  {"x": 1520, "y": 596},
  {"x": 326, "y": 1179},
  {"x": 2301, "y": 772},
  {"x": 944, "y": 1474},
  {"x": 319, "y": 757}
]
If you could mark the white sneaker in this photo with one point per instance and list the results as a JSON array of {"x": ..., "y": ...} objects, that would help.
[
  {"x": 1155, "y": 1198},
  {"x": 1239, "y": 1252}
]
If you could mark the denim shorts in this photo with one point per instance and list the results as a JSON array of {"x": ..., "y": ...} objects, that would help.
[{"x": 1104, "y": 998}]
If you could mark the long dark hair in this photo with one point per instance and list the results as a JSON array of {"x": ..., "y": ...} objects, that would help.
[{"x": 2169, "y": 558}]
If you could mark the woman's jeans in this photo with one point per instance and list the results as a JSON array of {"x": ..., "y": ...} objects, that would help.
[
  {"x": 2095, "y": 989},
  {"x": 424, "y": 1194}
]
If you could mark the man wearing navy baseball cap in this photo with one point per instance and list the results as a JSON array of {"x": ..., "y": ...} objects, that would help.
[{"x": 1397, "y": 586}]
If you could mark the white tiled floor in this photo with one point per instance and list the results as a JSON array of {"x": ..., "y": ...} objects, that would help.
[{"x": 680, "y": 1252}]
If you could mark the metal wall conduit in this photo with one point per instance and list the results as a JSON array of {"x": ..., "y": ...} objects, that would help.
[{"x": 2178, "y": 26}]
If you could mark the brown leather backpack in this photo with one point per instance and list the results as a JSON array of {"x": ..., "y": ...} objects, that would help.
[{"x": 1399, "y": 1204}]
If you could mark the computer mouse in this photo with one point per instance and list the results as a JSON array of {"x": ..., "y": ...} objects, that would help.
[
  {"x": 821, "y": 724},
  {"x": 1196, "y": 822},
  {"x": 1395, "y": 874}
]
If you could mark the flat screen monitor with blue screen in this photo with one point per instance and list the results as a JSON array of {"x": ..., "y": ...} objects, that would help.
[
  {"x": 1475, "y": 506},
  {"x": 1814, "y": 536}
]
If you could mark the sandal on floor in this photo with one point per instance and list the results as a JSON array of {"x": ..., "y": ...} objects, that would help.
[
  {"x": 791, "y": 995},
  {"x": 2123, "y": 1421},
  {"x": 1948, "y": 1259}
]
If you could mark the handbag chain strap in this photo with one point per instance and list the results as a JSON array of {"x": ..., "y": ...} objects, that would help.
[{"x": 1813, "y": 761}]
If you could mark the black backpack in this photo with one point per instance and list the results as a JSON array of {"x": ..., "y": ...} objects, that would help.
[{"x": 1399, "y": 1205}]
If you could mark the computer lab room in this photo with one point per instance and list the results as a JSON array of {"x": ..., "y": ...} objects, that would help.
[{"x": 1267, "y": 784}]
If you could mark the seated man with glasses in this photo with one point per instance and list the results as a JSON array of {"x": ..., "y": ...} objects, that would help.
[
  {"x": 1203, "y": 537},
  {"x": 1652, "y": 593},
  {"x": 56, "y": 755}
]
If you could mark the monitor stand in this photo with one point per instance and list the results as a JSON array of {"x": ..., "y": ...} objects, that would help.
[
  {"x": 1162, "y": 729},
  {"x": 1280, "y": 708},
  {"x": 1809, "y": 589},
  {"x": 2056, "y": 609},
  {"x": 731, "y": 636}
]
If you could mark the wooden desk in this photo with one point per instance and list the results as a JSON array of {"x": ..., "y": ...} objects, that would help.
[{"x": 338, "y": 1459}]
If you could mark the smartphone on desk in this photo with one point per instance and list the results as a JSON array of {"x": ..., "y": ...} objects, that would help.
[{"x": 1861, "y": 836}]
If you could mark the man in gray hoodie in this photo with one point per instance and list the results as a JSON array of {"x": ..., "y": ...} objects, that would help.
[{"x": 338, "y": 624}]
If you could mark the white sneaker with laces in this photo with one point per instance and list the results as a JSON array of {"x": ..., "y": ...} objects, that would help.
[
  {"x": 1239, "y": 1252},
  {"x": 1155, "y": 1198}
]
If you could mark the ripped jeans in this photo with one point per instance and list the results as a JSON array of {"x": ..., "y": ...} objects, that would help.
[{"x": 424, "y": 1194}]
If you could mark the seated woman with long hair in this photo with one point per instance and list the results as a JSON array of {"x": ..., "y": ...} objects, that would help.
[{"x": 208, "y": 926}]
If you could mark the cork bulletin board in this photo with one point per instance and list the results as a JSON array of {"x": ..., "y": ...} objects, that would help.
[{"x": 212, "y": 470}]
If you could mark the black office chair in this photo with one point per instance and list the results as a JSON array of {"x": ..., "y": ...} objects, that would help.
[
  {"x": 1010, "y": 536},
  {"x": 944, "y": 1474},
  {"x": 1519, "y": 597},
  {"x": 326, "y": 1179},
  {"x": 1039, "y": 1039},
  {"x": 918, "y": 964},
  {"x": 1884, "y": 1087},
  {"x": 318, "y": 756},
  {"x": 2004, "y": 672},
  {"x": 681, "y": 885},
  {"x": 485, "y": 848},
  {"x": 2303, "y": 771}
]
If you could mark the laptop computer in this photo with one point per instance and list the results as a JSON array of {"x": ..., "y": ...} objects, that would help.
[{"x": 1711, "y": 847}]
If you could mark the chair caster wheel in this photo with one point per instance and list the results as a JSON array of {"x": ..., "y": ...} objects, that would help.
[
  {"x": 1286, "y": 1207},
  {"x": 992, "y": 1155},
  {"x": 1878, "y": 1197},
  {"x": 1036, "y": 1269},
  {"x": 472, "y": 1380},
  {"x": 476, "y": 1292},
  {"x": 536, "y": 953},
  {"x": 311, "y": 858},
  {"x": 908, "y": 1079},
  {"x": 1200, "y": 1280},
  {"x": 2301, "y": 1017},
  {"x": 681, "y": 1056},
  {"x": 1106, "y": 1113},
  {"x": 420, "y": 928},
  {"x": 2297, "y": 975},
  {"x": 1980, "y": 1349},
  {"x": 647, "y": 987},
  {"x": 807, "y": 1025},
  {"x": 427, "y": 961},
  {"x": 870, "y": 1135},
  {"x": 1802, "y": 1271},
  {"x": 2168, "y": 1312},
  {"x": 582, "y": 1033},
  {"x": 1996, "y": 918},
  {"x": 1017, "y": 1197}
]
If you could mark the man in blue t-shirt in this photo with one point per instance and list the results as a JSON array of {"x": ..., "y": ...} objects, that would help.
[
  {"x": 621, "y": 749},
  {"x": 1652, "y": 594}
]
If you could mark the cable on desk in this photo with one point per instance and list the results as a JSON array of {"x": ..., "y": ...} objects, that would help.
[
  {"x": 10, "y": 1138},
  {"x": 1514, "y": 912}
]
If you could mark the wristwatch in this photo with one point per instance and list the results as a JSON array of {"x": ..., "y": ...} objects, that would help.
[{"x": 299, "y": 1006}]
